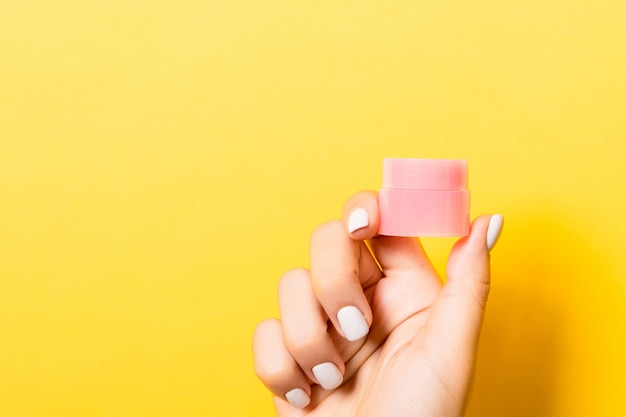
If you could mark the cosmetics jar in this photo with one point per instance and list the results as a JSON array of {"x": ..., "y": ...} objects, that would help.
[{"x": 424, "y": 197}]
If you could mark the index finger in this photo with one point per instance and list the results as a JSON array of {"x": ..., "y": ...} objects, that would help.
[
  {"x": 361, "y": 216},
  {"x": 361, "y": 219}
]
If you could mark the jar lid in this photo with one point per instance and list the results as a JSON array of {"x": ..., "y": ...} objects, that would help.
[{"x": 425, "y": 174}]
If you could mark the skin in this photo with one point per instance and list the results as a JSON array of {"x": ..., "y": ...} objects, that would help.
[{"x": 418, "y": 357}]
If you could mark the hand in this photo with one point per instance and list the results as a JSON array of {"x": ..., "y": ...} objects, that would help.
[{"x": 371, "y": 330}]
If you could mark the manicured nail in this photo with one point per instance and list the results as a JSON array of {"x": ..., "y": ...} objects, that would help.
[
  {"x": 358, "y": 219},
  {"x": 352, "y": 323},
  {"x": 298, "y": 398},
  {"x": 494, "y": 230},
  {"x": 328, "y": 375}
]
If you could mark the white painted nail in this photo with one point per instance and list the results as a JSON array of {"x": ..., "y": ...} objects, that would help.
[
  {"x": 298, "y": 398},
  {"x": 358, "y": 219},
  {"x": 352, "y": 323},
  {"x": 328, "y": 375},
  {"x": 494, "y": 230}
]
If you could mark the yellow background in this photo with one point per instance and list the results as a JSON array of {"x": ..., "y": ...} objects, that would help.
[{"x": 163, "y": 162}]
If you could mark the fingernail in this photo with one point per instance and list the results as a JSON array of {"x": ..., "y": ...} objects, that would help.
[
  {"x": 352, "y": 323},
  {"x": 494, "y": 230},
  {"x": 298, "y": 398},
  {"x": 358, "y": 219},
  {"x": 328, "y": 375}
]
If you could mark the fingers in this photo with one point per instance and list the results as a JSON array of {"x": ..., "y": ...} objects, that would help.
[
  {"x": 299, "y": 349},
  {"x": 334, "y": 261},
  {"x": 361, "y": 218},
  {"x": 275, "y": 366},
  {"x": 292, "y": 353},
  {"x": 305, "y": 330},
  {"x": 457, "y": 314},
  {"x": 338, "y": 266},
  {"x": 361, "y": 215}
]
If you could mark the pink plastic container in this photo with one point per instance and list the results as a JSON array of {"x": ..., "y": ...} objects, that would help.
[{"x": 424, "y": 197}]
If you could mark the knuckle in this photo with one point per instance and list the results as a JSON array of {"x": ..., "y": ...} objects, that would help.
[
  {"x": 481, "y": 294},
  {"x": 266, "y": 326},
  {"x": 327, "y": 231},
  {"x": 299, "y": 345},
  {"x": 293, "y": 277},
  {"x": 329, "y": 281},
  {"x": 270, "y": 375}
]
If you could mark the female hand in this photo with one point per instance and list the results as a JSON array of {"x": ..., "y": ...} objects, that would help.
[{"x": 374, "y": 331}]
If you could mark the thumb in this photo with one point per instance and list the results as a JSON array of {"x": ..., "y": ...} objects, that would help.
[{"x": 457, "y": 314}]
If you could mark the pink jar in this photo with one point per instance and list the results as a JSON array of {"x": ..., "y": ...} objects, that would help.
[{"x": 424, "y": 197}]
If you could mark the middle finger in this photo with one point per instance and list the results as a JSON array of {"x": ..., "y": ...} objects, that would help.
[{"x": 340, "y": 267}]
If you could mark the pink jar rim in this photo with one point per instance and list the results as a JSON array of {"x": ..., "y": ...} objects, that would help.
[{"x": 425, "y": 174}]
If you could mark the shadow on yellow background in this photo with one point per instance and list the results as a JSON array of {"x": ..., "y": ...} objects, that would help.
[
  {"x": 543, "y": 330},
  {"x": 523, "y": 336}
]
